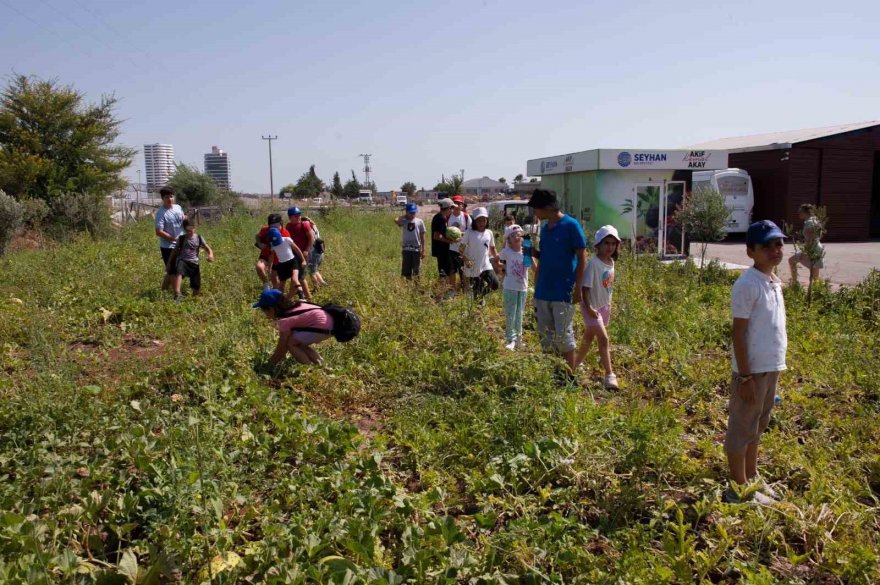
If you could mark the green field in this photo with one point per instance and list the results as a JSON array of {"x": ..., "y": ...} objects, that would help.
[{"x": 144, "y": 441}]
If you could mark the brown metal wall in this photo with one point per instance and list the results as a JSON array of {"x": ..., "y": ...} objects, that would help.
[
  {"x": 843, "y": 175},
  {"x": 769, "y": 172},
  {"x": 803, "y": 181},
  {"x": 836, "y": 172}
]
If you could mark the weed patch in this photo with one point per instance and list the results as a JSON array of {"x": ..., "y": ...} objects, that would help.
[{"x": 147, "y": 441}]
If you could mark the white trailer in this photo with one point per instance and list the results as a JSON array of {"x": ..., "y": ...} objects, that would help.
[{"x": 736, "y": 186}]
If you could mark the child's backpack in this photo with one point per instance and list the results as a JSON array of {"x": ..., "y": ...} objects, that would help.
[
  {"x": 319, "y": 243},
  {"x": 346, "y": 323}
]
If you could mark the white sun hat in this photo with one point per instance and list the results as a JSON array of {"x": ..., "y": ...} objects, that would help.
[
  {"x": 480, "y": 212},
  {"x": 604, "y": 232},
  {"x": 512, "y": 229}
]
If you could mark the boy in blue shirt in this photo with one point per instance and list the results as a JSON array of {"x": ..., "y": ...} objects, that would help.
[{"x": 563, "y": 259}]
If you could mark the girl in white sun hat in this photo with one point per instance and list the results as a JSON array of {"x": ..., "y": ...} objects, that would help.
[
  {"x": 478, "y": 253},
  {"x": 516, "y": 283},
  {"x": 598, "y": 284}
]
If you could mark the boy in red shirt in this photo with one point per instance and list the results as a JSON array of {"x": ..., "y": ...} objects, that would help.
[
  {"x": 264, "y": 262},
  {"x": 303, "y": 236}
]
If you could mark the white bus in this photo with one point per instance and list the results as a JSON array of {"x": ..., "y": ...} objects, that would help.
[{"x": 736, "y": 186}]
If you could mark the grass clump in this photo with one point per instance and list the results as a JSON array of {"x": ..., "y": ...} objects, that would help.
[{"x": 141, "y": 441}]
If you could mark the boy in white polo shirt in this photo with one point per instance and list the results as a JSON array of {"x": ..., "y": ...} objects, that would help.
[{"x": 759, "y": 345}]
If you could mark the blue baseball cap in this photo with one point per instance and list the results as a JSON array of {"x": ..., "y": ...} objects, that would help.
[
  {"x": 291, "y": 211},
  {"x": 762, "y": 232},
  {"x": 411, "y": 208},
  {"x": 274, "y": 236},
  {"x": 268, "y": 298}
]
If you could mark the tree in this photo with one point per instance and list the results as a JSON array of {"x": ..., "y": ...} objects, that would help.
[
  {"x": 703, "y": 216},
  {"x": 336, "y": 189},
  {"x": 502, "y": 180},
  {"x": 351, "y": 188},
  {"x": 193, "y": 188},
  {"x": 52, "y": 141},
  {"x": 533, "y": 180},
  {"x": 288, "y": 188},
  {"x": 409, "y": 188},
  {"x": 518, "y": 178},
  {"x": 309, "y": 185},
  {"x": 451, "y": 186}
]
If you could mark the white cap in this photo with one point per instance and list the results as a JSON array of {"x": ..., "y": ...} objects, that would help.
[
  {"x": 480, "y": 212},
  {"x": 604, "y": 232},
  {"x": 512, "y": 229},
  {"x": 446, "y": 203}
]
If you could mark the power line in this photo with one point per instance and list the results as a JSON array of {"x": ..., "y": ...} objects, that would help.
[
  {"x": 88, "y": 32},
  {"x": 107, "y": 25},
  {"x": 41, "y": 27}
]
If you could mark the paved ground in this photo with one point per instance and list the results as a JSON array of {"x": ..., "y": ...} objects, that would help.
[{"x": 845, "y": 263}]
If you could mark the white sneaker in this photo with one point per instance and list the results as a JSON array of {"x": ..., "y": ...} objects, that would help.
[
  {"x": 611, "y": 382},
  {"x": 765, "y": 488},
  {"x": 511, "y": 346}
]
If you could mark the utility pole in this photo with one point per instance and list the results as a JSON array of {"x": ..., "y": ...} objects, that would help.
[
  {"x": 137, "y": 196},
  {"x": 367, "y": 168},
  {"x": 270, "y": 138}
]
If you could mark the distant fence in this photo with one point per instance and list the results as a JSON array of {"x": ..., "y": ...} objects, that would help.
[{"x": 124, "y": 211}]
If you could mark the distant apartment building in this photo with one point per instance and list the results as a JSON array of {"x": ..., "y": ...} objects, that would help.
[
  {"x": 217, "y": 167},
  {"x": 159, "y": 164}
]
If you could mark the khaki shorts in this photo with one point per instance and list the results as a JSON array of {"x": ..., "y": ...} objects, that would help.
[
  {"x": 555, "y": 329},
  {"x": 804, "y": 260},
  {"x": 747, "y": 420}
]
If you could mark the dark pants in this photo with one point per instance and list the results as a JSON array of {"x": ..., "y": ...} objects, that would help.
[
  {"x": 166, "y": 255},
  {"x": 444, "y": 263},
  {"x": 485, "y": 283},
  {"x": 192, "y": 271},
  {"x": 412, "y": 261}
]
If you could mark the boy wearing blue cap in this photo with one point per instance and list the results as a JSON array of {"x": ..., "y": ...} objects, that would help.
[
  {"x": 289, "y": 261},
  {"x": 301, "y": 231},
  {"x": 759, "y": 346},
  {"x": 413, "y": 241}
]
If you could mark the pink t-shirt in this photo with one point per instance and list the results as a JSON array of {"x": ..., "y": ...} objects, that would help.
[{"x": 317, "y": 318}]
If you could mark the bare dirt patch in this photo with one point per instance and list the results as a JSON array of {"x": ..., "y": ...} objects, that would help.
[{"x": 30, "y": 240}]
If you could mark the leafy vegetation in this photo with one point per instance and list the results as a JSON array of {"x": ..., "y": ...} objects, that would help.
[
  {"x": 52, "y": 141},
  {"x": 11, "y": 217},
  {"x": 143, "y": 441},
  {"x": 450, "y": 186},
  {"x": 703, "y": 216},
  {"x": 308, "y": 185},
  {"x": 193, "y": 188}
]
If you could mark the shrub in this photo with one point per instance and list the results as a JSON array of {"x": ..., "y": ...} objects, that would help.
[
  {"x": 703, "y": 215},
  {"x": 78, "y": 212},
  {"x": 10, "y": 219},
  {"x": 193, "y": 188},
  {"x": 34, "y": 212}
]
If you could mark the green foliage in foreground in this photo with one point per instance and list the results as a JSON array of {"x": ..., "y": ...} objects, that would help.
[{"x": 138, "y": 443}]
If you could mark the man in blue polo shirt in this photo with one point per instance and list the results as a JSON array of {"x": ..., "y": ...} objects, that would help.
[{"x": 561, "y": 265}]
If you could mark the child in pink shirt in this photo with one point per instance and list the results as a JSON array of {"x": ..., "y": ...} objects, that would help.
[{"x": 300, "y": 325}]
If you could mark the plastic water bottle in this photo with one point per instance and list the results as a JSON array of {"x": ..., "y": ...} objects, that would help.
[
  {"x": 777, "y": 399},
  {"x": 527, "y": 251}
]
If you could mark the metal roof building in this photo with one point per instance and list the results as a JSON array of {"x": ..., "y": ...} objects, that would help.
[{"x": 834, "y": 166}]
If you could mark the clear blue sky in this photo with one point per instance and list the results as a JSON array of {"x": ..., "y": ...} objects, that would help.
[{"x": 434, "y": 87}]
